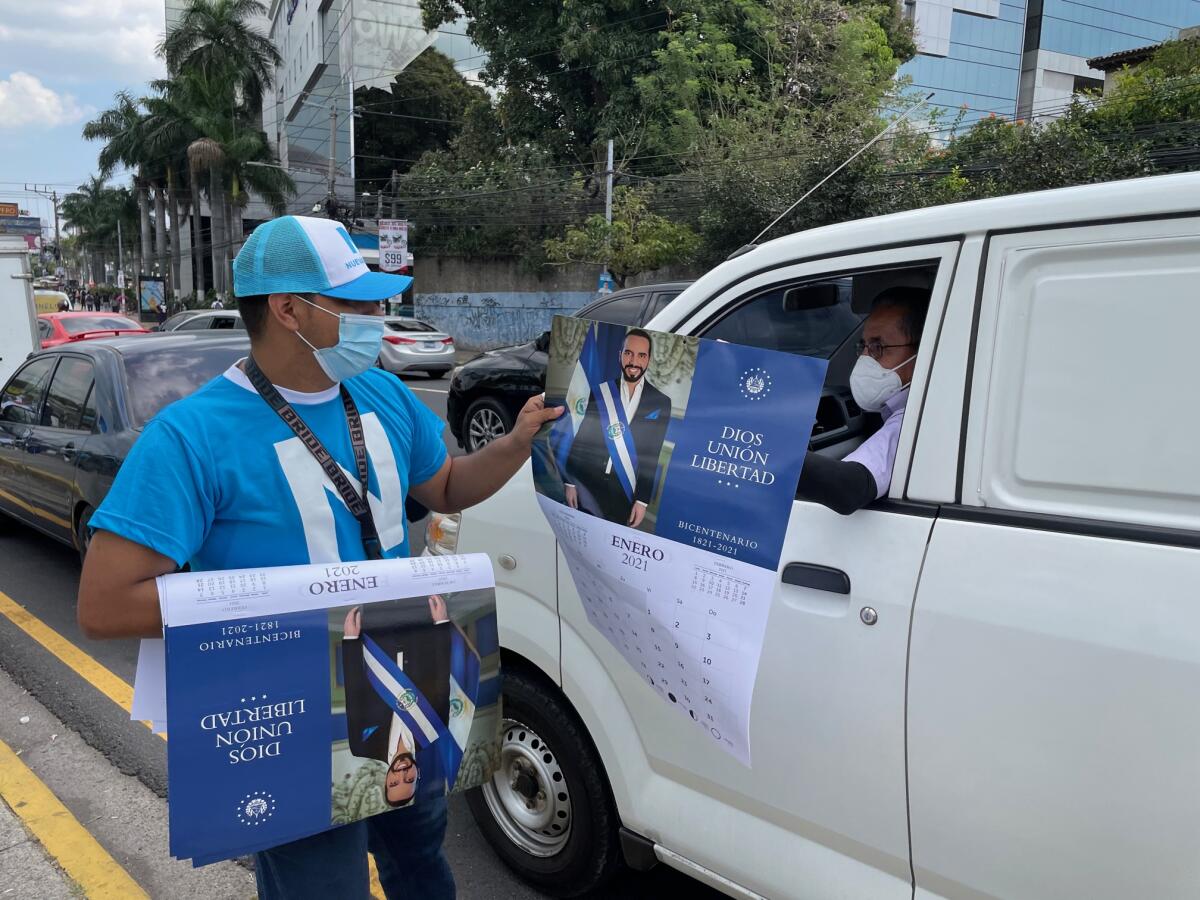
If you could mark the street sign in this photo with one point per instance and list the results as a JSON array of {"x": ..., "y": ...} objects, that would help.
[
  {"x": 9, "y": 209},
  {"x": 393, "y": 244}
]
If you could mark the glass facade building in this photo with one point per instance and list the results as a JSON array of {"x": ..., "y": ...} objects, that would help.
[{"x": 1027, "y": 58}]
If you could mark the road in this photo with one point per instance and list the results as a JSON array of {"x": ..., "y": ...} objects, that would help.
[{"x": 57, "y": 710}]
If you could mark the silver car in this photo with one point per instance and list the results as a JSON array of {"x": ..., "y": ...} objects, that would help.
[{"x": 410, "y": 345}]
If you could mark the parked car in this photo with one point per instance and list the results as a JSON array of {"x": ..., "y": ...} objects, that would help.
[
  {"x": 204, "y": 320},
  {"x": 487, "y": 393},
  {"x": 411, "y": 345},
  {"x": 70, "y": 414},
  {"x": 996, "y": 695},
  {"x": 68, "y": 327}
]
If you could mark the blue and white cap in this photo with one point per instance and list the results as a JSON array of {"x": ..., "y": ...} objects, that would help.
[{"x": 303, "y": 255}]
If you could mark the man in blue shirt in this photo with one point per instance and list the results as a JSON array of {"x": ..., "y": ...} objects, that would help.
[{"x": 219, "y": 480}]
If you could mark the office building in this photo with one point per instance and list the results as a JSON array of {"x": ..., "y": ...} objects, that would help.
[{"x": 1027, "y": 58}]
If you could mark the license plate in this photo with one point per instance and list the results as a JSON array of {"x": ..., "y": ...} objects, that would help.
[{"x": 429, "y": 345}]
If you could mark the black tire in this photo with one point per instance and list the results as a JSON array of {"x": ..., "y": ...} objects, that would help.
[
  {"x": 537, "y": 716},
  {"x": 486, "y": 419},
  {"x": 82, "y": 538}
]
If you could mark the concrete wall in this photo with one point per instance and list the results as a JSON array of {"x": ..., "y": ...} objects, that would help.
[{"x": 493, "y": 303}]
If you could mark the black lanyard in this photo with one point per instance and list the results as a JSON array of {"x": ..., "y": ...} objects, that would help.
[{"x": 358, "y": 504}]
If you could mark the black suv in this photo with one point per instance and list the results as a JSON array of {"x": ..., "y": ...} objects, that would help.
[{"x": 487, "y": 393}]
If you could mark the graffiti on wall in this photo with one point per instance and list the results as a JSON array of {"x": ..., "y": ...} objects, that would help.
[{"x": 484, "y": 321}]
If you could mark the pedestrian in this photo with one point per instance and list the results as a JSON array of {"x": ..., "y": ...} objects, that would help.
[
  {"x": 217, "y": 303},
  {"x": 229, "y": 478},
  {"x": 162, "y": 312}
]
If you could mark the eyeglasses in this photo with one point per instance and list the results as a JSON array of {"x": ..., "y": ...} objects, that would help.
[{"x": 876, "y": 347}]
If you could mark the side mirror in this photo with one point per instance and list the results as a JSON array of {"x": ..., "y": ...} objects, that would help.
[
  {"x": 810, "y": 296},
  {"x": 542, "y": 342}
]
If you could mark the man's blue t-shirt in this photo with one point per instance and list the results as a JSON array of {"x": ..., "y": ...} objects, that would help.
[{"x": 219, "y": 481}]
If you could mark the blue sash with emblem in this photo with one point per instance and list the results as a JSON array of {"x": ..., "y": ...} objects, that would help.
[
  {"x": 415, "y": 712},
  {"x": 617, "y": 437}
]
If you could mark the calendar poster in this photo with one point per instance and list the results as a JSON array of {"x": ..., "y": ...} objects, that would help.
[
  {"x": 669, "y": 482},
  {"x": 300, "y": 698}
]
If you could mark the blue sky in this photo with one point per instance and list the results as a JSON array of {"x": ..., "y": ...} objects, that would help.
[{"x": 61, "y": 61}]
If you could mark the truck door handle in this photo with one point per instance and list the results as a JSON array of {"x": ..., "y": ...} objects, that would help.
[
  {"x": 821, "y": 578},
  {"x": 68, "y": 451}
]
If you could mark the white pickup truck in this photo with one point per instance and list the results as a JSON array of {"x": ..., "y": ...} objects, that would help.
[{"x": 1002, "y": 698}]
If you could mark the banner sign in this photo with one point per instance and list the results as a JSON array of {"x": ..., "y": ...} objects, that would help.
[
  {"x": 8, "y": 210},
  {"x": 668, "y": 483},
  {"x": 27, "y": 225},
  {"x": 152, "y": 294},
  {"x": 393, "y": 244},
  {"x": 301, "y": 698}
]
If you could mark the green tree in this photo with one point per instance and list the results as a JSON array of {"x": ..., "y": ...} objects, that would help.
[
  {"x": 423, "y": 109},
  {"x": 219, "y": 68},
  {"x": 217, "y": 36},
  {"x": 94, "y": 210},
  {"x": 636, "y": 241},
  {"x": 123, "y": 129},
  {"x": 565, "y": 71},
  {"x": 1164, "y": 88}
]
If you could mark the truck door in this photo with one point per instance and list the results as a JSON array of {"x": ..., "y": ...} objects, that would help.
[{"x": 822, "y": 811}]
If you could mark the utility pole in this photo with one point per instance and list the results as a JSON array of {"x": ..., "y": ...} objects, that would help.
[
  {"x": 331, "y": 203},
  {"x": 605, "y": 285},
  {"x": 608, "y": 181},
  {"x": 52, "y": 195},
  {"x": 121, "y": 258},
  {"x": 392, "y": 187}
]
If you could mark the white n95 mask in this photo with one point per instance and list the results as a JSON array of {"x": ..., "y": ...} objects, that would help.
[{"x": 872, "y": 385}]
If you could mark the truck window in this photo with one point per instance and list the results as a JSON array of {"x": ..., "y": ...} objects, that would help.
[{"x": 1080, "y": 351}]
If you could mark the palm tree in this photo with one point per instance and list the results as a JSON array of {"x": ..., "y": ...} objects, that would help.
[
  {"x": 123, "y": 128},
  {"x": 220, "y": 68},
  {"x": 93, "y": 210},
  {"x": 215, "y": 35},
  {"x": 224, "y": 142},
  {"x": 169, "y": 131}
]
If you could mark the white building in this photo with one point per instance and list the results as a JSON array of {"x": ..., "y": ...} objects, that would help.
[{"x": 329, "y": 48}]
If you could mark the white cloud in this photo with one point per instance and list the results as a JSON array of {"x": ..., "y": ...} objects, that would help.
[
  {"x": 83, "y": 39},
  {"x": 24, "y": 100}
]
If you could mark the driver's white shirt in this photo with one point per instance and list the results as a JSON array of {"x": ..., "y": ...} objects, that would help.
[{"x": 878, "y": 452}]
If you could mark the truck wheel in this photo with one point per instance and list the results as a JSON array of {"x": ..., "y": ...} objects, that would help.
[{"x": 547, "y": 811}]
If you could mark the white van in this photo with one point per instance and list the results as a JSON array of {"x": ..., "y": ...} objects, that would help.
[{"x": 1005, "y": 701}]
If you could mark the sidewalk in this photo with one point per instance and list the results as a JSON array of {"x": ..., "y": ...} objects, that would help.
[
  {"x": 72, "y": 825},
  {"x": 25, "y": 868}
]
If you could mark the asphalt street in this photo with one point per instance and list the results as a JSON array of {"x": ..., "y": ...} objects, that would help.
[{"x": 42, "y": 576}]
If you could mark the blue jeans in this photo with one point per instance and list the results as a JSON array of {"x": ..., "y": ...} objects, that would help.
[{"x": 406, "y": 843}]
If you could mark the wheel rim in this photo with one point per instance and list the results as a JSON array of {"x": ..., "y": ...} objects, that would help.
[
  {"x": 486, "y": 426},
  {"x": 528, "y": 795}
]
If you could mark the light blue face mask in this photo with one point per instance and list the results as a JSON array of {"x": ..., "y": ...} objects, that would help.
[{"x": 360, "y": 339}]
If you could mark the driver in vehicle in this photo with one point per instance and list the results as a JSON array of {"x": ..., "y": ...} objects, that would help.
[{"x": 887, "y": 353}]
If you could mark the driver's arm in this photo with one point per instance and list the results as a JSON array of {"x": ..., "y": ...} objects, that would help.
[{"x": 842, "y": 486}]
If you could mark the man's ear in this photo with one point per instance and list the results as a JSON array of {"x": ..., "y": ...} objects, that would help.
[{"x": 283, "y": 308}]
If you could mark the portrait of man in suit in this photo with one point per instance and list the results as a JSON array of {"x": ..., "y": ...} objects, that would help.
[
  {"x": 613, "y": 461},
  {"x": 404, "y": 688}
]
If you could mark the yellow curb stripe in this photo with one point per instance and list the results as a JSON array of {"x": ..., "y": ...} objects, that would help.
[
  {"x": 115, "y": 689},
  {"x": 111, "y": 686},
  {"x": 60, "y": 833}
]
